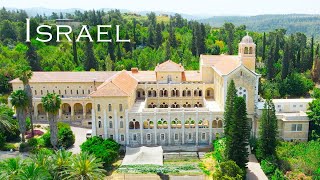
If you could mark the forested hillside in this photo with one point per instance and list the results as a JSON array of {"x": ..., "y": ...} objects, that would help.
[
  {"x": 287, "y": 62},
  {"x": 308, "y": 24}
]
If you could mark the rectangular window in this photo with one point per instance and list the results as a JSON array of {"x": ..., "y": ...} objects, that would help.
[
  {"x": 190, "y": 136},
  {"x": 162, "y": 137},
  {"x": 203, "y": 136},
  {"x": 99, "y": 124},
  {"x": 148, "y": 137},
  {"x": 135, "y": 137},
  {"x": 296, "y": 127},
  {"x": 121, "y": 137},
  {"x": 120, "y": 107},
  {"x": 111, "y": 136},
  {"x": 110, "y": 124},
  {"x": 110, "y": 108},
  {"x": 176, "y": 137},
  {"x": 294, "y": 105}
]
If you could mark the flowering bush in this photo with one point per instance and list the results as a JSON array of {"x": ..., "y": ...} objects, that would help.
[{"x": 36, "y": 133}]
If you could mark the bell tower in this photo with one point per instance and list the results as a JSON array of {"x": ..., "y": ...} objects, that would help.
[{"x": 247, "y": 52}]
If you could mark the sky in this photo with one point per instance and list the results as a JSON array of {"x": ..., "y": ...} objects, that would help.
[{"x": 192, "y": 7}]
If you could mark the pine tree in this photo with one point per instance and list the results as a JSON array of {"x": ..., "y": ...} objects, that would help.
[
  {"x": 240, "y": 133},
  {"x": 268, "y": 131},
  {"x": 285, "y": 62},
  {"x": 228, "y": 117},
  {"x": 33, "y": 58},
  {"x": 158, "y": 38},
  {"x": 90, "y": 61},
  {"x": 263, "y": 47}
]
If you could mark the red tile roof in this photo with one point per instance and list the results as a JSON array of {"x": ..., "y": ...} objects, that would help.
[
  {"x": 169, "y": 66},
  {"x": 223, "y": 64}
]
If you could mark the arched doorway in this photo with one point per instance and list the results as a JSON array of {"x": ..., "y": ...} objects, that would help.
[
  {"x": 140, "y": 94},
  {"x": 41, "y": 113},
  {"x": 66, "y": 111},
  {"x": 78, "y": 111},
  {"x": 88, "y": 111}
]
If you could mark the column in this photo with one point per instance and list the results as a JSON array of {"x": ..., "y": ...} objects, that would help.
[
  {"x": 155, "y": 127},
  {"x": 60, "y": 113},
  {"x": 72, "y": 112},
  {"x": 141, "y": 126},
  {"x": 182, "y": 121},
  {"x": 210, "y": 128},
  {"x": 94, "y": 128},
  {"x": 127, "y": 127},
  {"x": 169, "y": 127},
  {"x": 84, "y": 111},
  {"x": 105, "y": 124},
  {"x": 197, "y": 127},
  {"x": 116, "y": 130}
]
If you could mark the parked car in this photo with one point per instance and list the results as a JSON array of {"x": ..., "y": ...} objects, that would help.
[{"x": 89, "y": 134}]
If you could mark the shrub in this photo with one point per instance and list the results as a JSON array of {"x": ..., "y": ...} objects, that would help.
[
  {"x": 2, "y": 140},
  {"x": 24, "y": 147},
  {"x": 66, "y": 137},
  {"x": 229, "y": 170},
  {"x": 33, "y": 142},
  {"x": 268, "y": 166},
  {"x": 106, "y": 150},
  {"x": 8, "y": 147},
  {"x": 219, "y": 149},
  {"x": 278, "y": 175}
]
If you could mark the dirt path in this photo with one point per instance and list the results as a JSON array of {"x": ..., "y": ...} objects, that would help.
[{"x": 254, "y": 170}]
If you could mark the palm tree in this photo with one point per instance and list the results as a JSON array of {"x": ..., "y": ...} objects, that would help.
[
  {"x": 51, "y": 104},
  {"x": 85, "y": 167},
  {"x": 19, "y": 100},
  {"x": 24, "y": 73},
  {"x": 61, "y": 159},
  {"x": 5, "y": 121},
  {"x": 34, "y": 172},
  {"x": 10, "y": 168}
]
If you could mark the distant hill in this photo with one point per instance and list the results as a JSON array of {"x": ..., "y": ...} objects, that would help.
[
  {"x": 308, "y": 24},
  {"x": 39, "y": 10}
]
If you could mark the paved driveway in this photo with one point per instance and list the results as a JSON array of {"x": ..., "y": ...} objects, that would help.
[{"x": 80, "y": 136}]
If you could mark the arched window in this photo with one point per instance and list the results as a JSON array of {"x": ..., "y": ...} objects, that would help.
[
  {"x": 120, "y": 107},
  {"x": 250, "y": 50},
  {"x": 121, "y": 124},
  {"x": 214, "y": 124},
  {"x": 110, "y": 124},
  {"x": 242, "y": 92},
  {"x": 219, "y": 124},
  {"x": 98, "y": 107},
  {"x": 246, "y": 50},
  {"x": 99, "y": 124}
]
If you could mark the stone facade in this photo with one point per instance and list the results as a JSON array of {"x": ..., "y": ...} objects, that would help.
[{"x": 168, "y": 106}]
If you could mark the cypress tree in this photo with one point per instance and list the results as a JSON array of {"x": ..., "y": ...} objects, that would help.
[
  {"x": 285, "y": 62},
  {"x": 240, "y": 133},
  {"x": 229, "y": 118},
  {"x": 194, "y": 44},
  {"x": 270, "y": 67},
  {"x": 111, "y": 49},
  {"x": 74, "y": 50},
  {"x": 119, "y": 54},
  {"x": 90, "y": 61},
  {"x": 268, "y": 131},
  {"x": 127, "y": 45},
  {"x": 158, "y": 39},
  {"x": 32, "y": 58},
  {"x": 311, "y": 53},
  {"x": 172, "y": 37},
  {"x": 150, "y": 41},
  {"x": 168, "y": 51},
  {"x": 201, "y": 39},
  {"x": 263, "y": 47}
]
